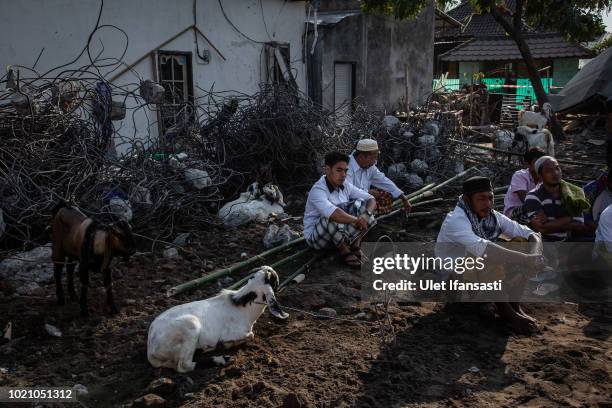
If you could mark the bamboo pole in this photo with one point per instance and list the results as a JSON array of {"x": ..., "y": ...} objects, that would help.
[
  {"x": 428, "y": 191},
  {"x": 412, "y": 214},
  {"x": 195, "y": 283},
  {"x": 275, "y": 265},
  {"x": 435, "y": 200},
  {"x": 492, "y": 149},
  {"x": 301, "y": 269},
  {"x": 419, "y": 191}
]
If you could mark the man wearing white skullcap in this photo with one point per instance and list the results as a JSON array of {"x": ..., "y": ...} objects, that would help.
[
  {"x": 543, "y": 205},
  {"x": 364, "y": 174}
]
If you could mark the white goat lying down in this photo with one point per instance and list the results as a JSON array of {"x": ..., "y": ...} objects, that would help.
[
  {"x": 226, "y": 319},
  {"x": 256, "y": 204}
]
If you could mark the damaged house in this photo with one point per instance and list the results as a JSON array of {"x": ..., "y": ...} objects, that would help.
[
  {"x": 383, "y": 62},
  {"x": 191, "y": 47},
  {"x": 467, "y": 43}
]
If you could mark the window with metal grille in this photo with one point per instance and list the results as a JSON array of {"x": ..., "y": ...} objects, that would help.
[
  {"x": 176, "y": 76},
  {"x": 278, "y": 63}
]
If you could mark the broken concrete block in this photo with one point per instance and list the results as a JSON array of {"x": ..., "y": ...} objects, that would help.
[
  {"x": 427, "y": 140},
  {"x": 30, "y": 289},
  {"x": 418, "y": 166},
  {"x": 199, "y": 179},
  {"x": 414, "y": 181},
  {"x": 151, "y": 92},
  {"x": 120, "y": 208},
  {"x": 432, "y": 128},
  {"x": 182, "y": 239},
  {"x": 171, "y": 253},
  {"x": 407, "y": 135},
  {"x": 30, "y": 266},
  {"x": 396, "y": 171},
  {"x": 459, "y": 167},
  {"x": 21, "y": 102},
  {"x": 390, "y": 121},
  {"x": 328, "y": 312},
  {"x": 277, "y": 236}
]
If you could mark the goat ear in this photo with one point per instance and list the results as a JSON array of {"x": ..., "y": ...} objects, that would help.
[
  {"x": 244, "y": 299},
  {"x": 272, "y": 280}
]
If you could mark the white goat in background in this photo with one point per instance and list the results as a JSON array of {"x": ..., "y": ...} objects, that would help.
[
  {"x": 532, "y": 129},
  {"x": 226, "y": 319}
]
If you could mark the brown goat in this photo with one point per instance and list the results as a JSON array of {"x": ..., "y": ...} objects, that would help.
[{"x": 77, "y": 238}]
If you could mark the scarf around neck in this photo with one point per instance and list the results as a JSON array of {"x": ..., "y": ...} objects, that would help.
[{"x": 487, "y": 228}]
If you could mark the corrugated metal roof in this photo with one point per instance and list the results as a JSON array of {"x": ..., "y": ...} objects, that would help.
[
  {"x": 505, "y": 49},
  {"x": 332, "y": 17}
]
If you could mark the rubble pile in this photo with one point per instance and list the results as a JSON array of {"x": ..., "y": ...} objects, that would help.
[
  {"x": 418, "y": 151},
  {"x": 61, "y": 139}
]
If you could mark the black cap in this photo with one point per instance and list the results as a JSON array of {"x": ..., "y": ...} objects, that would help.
[{"x": 476, "y": 185}]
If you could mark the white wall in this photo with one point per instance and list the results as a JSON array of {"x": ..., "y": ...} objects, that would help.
[{"x": 63, "y": 26}]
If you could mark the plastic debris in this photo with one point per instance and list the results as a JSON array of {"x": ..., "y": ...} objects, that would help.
[{"x": 52, "y": 330}]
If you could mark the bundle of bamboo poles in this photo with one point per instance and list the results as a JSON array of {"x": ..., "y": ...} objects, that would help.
[{"x": 425, "y": 192}]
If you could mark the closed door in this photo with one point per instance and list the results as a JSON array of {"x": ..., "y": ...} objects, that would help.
[{"x": 343, "y": 89}]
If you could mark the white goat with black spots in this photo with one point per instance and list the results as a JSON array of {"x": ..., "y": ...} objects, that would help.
[{"x": 224, "y": 320}]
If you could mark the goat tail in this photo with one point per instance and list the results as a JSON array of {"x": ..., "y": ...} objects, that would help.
[
  {"x": 87, "y": 244},
  {"x": 60, "y": 204}
]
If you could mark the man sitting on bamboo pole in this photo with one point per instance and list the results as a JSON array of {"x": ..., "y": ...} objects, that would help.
[
  {"x": 338, "y": 213},
  {"x": 472, "y": 228},
  {"x": 364, "y": 174}
]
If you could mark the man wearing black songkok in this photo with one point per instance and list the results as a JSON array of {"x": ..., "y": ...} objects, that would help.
[{"x": 472, "y": 228}]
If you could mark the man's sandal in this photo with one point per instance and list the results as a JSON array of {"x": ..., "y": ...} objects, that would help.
[
  {"x": 351, "y": 260},
  {"x": 359, "y": 254}
]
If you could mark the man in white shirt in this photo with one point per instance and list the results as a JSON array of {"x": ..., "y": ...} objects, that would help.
[
  {"x": 471, "y": 229},
  {"x": 364, "y": 174},
  {"x": 338, "y": 213},
  {"x": 604, "y": 199},
  {"x": 603, "y": 236}
]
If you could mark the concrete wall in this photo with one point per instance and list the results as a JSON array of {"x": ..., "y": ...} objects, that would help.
[
  {"x": 382, "y": 48},
  {"x": 564, "y": 69},
  {"x": 63, "y": 26}
]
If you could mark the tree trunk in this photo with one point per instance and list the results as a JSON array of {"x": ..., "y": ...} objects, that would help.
[
  {"x": 516, "y": 32},
  {"x": 534, "y": 76}
]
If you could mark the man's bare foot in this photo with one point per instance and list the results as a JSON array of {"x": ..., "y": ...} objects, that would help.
[
  {"x": 517, "y": 307},
  {"x": 518, "y": 323}
]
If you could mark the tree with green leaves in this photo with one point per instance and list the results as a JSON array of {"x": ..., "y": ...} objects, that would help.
[
  {"x": 602, "y": 46},
  {"x": 577, "y": 20}
]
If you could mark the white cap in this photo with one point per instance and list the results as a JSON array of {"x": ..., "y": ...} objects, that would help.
[
  {"x": 538, "y": 164},
  {"x": 367, "y": 145}
]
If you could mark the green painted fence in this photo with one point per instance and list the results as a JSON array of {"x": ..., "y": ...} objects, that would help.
[
  {"x": 523, "y": 91},
  {"x": 449, "y": 85}
]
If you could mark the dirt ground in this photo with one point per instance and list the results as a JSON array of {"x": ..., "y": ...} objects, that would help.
[{"x": 441, "y": 356}]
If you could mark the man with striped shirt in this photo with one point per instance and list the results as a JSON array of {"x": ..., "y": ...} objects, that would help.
[{"x": 543, "y": 204}]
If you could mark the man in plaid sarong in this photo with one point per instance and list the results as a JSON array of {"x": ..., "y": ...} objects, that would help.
[
  {"x": 337, "y": 213},
  {"x": 364, "y": 174}
]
